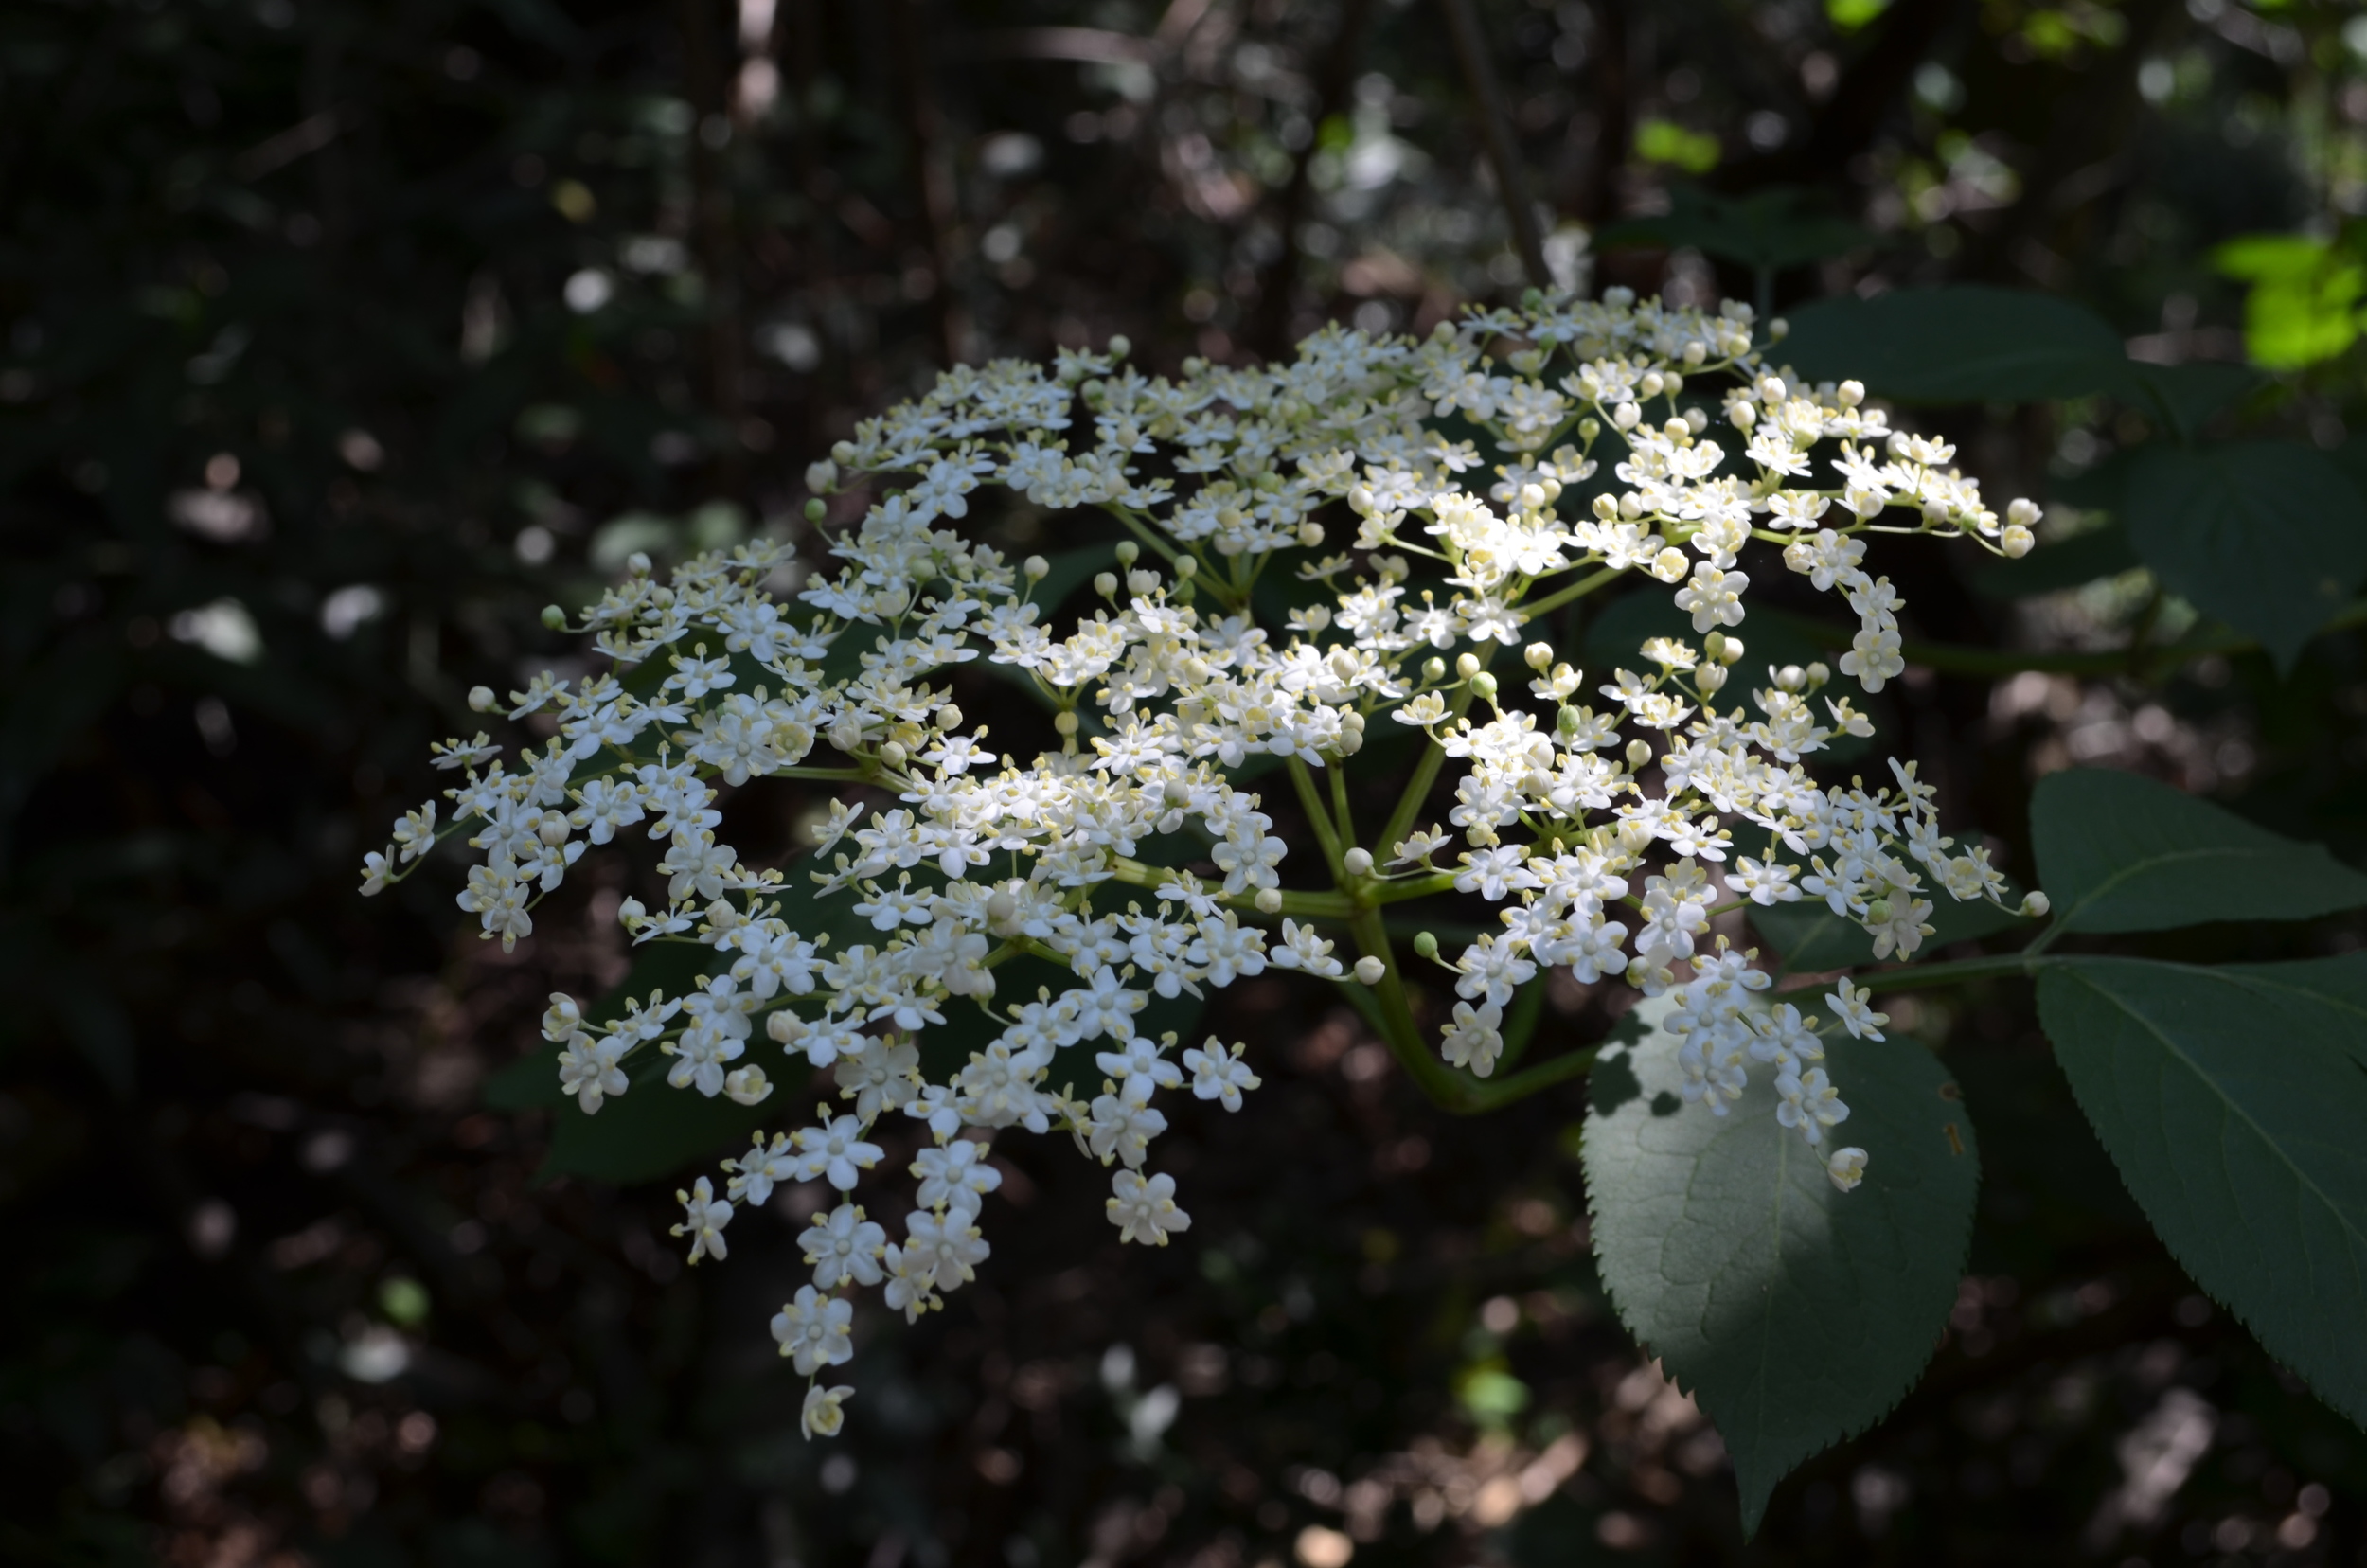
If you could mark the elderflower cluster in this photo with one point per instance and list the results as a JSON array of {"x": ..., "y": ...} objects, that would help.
[{"x": 1314, "y": 555}]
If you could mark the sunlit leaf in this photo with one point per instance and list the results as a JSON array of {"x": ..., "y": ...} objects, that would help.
[{"x": 1796, "y": 1314}]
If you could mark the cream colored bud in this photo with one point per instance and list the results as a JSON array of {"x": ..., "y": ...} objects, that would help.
[
  {"x": 1467, "y": 665},
  {"x": 1672, "y": 383},
  {"x": 1625, "y": 415},
  {"x": 1607, "y": 507},
  {"x": 1850, "y": 394},
  {"x": 1819, "y": 674},
  {"x": 2017, "y": 540},
  {"x": 747, "y": 1085},
  {"x": 1352, "y": 721},
  {"x": 1791, "y": 678},
  {"x": 822, "y": 477},
  {"x": 1036, "y": 567},
  {"x": 1709, "y": 677},
  {"x": 1639, "y": 753},
  {"x": 1778, "y": 330},
  {"x": 842, "y": 453},
  {"x": 1370, "y": 970},
  {"x": 1269, "y": 900},
  {"x": 1434, "y": 668},
  {"x": 1311, "y": 536},
  {"x": 1001, "y": 906},
  {"x": 949, "y": 717},
  {"x": 1631, "y": 505},
  {"x": 785, "y": 1027},
  {"x": 1696, "y": 421},
  {"x": 1696, "y": 352},
  {"x": 1670, "y": 564},
  {"x": 2035, "y": 903},
  {"x": 1533, "y": 497},
  {"x": 1538, "y": 656},
  {"x": 1651, "y": 384},
  {"x": 1734, "y": 651},
  {"x": 552, "y": 830},
  {"x": 1358, "y": 863},
  {"x": 481, "y": 699},
  {"x": 631, "y": 914},
  {"x": 1064, "y": 723},
  {"x": 1187, "y": 568},
  {"x": 1742, "y": 416},
  {"x": 1178, "y": 793},
  {"x": 1120, "y": 346},
  {"x": 1141, "y": 582},
  {"x": 1128, "y": 552},
  {"x": 892, "y": 753},
  {"x": 1106, "y": 584}
]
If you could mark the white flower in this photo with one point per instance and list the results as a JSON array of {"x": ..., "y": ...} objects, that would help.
[
  {"x": 1846, "y": 1167},
  {"x": 814, "y": 1330},
  {"x": 935, "y": 856},
  {"x": 844, "y": 1246},
  {"x": 1144, "y": 1208},
  {"x": 1219, "y": 1074},
  {"x": 825, "y": 1411},
  {"x": 704, "y": 1217},
  {"x": 1856, "y": 1014}
]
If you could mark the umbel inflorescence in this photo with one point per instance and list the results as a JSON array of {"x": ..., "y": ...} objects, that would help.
[{"x": 1309, "y": 551}]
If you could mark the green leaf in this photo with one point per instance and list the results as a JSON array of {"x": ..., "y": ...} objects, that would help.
[
  {"x": 2330, "y": 992},
  {"x": 2185, "y": 396},
  {"x": 2121, "y": 852},
  {"x": 2269, "y": 536},
  {"x": 2303, "y": 305},
  {"x": 2233, "y": 1115},
  {"x": 1772, "y": 228},
  {"x": 1796, "y": 1314},
  {"x": 652, "y": 1129},
  {"x": 1811, "y": 937},
  {"x": 1956, "y": 345}
]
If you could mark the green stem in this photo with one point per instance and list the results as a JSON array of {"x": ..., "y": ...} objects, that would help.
[
  {"x": 1520, "y": 1028},
  {"x": 1317, "y": 817},
  {"x": 1339, "y": 803},
  {"x": 1922, "y": 977},
  {"x": 1417, "y": 888},
  {"x": 1320, "y": 906},
  {"x": 1392, "y": 1013},
  {"x": 1579, "y": 589},
  {"x": 1496, "y": 1094}
]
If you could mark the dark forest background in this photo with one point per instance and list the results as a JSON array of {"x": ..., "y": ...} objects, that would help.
[{"x": 338, "y": 337}]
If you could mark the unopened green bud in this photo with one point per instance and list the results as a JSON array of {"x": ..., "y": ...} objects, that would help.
[
  {"x": 1425, "y": 944},
  {"x": 554, "y": 617}
]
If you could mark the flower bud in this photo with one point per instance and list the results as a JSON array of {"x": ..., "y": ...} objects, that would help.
[
  {"x": 1850, "y": 394},
  {"x": 842, "y": 453},
  {"x": 1311, "y": 535},
  {"x": 1589, "y": 428},
  {"x": 1467, "y": 665},
  {"x": 1434, "y": 668},
  {"x": 1142, "y": 581},
  {"x": 949, "y": 717},
  {"x": 893, "y": 754},
  {"x": 1128, "y": 552},
  {"x": 1370, "y": 970},
  {"x": 1639, "y": 753},
  {"x": 1187, "y": 568},
  {"x": 1000, "y": 907},
  {"x": 552, "y": 830},
  {"x": 1878, "y": 911},
  {"x": 1269, "y": 900},
  {"x": 1358, "y": 863},
  {"x": 1036, "y": 567},
  {"x": 1484, "y": 685},
  {"x": 2035, "y": 905},
  {"x": 1106, "y": 584},
  {"x": 1538, "y": 656},
  {"x": 785, "y": 1027},
  {"x": 481, "y": 699},
  {"x": 822, "y": 477},
  {"x": 747, "y": 1085},
  {"x": 1425, "y": 944},
  {"x": 1064, "y": 723},
  {"x": 1120, "y": 346},
  {"x": 1567, "y": 720},
  {"x": 1819, "y": 674},
  {"x": 815, "y": 511},
  {"x": 2017, "y": 540},
  {"x": 1778, "y": 330},
  {"x": 1734, "y": 651},
  {"x": 1709, "y": 677},
  {"x": 1714, "y": 645},
  {"x": 554, "y": 617},
  {"x": 631, "y": 914}
]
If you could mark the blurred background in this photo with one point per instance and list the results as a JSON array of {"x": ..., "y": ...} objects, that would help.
[{"x": 338, "y": 337}]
